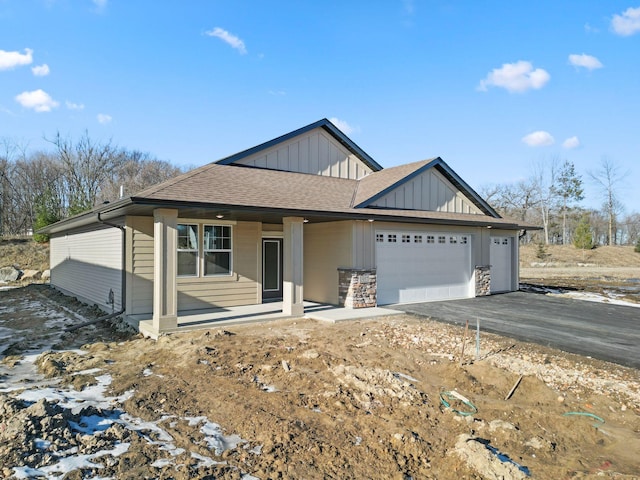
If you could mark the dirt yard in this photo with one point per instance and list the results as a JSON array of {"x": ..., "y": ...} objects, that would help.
[{"x": 301, "y": 399}]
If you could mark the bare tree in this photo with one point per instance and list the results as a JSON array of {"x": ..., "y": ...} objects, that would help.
[
  {"x": 87, "y": 166},
  {"x": 138, "y": 171},
  {"x": 544, "y": 179},
  {"x": 608, "y": 179}
]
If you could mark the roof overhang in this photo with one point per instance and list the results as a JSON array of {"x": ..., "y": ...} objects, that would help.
[{"x": 144, "y": 207}]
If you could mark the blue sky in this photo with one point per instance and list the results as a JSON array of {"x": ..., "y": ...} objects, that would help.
[{"x": 491, "y": 87}]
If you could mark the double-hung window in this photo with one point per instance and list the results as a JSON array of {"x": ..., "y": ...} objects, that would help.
[
  {"x": 187, "y": 250},
  {"x": 217, "y": 250}
]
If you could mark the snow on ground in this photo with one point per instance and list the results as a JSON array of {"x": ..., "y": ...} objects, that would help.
[{"x": 90, "y": 411}]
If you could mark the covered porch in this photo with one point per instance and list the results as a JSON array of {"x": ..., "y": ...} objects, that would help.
[{"x": 221, "y": 317}]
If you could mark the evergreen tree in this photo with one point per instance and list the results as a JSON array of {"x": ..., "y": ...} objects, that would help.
[
  {"x": 569, "y": 188},
  {"x": 583, "y": 238}
]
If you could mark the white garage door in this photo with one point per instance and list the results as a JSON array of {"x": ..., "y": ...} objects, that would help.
[
  {"x": 500, "y": 251},
  {"x": 420, "y": 267}
]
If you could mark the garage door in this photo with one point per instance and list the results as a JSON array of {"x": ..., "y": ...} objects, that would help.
[
  {"x": 500, "y": 251},
  {"x": 420, "y": 267}
]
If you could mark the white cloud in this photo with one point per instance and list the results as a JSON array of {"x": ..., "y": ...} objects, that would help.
[
  {"x": 74, "y": 106},
  {"x": 539, "y": 139},
  {"x": 103, "y": 118},
  {"x": 100, "y": 4},
  {"x": 587, "y": 61},
  {"x": 571, "y": 142},
  {"x": 628, "y": 23},
  {"x": 10, "y": 60},
  {"x": 343, "y": 126},
  {"x": 277, "y": 93},
  {"x": 38, "y": 100},
  {"x": 40, "y": 70},
  {"x": 228, "y": 38},
  {"x": 589, "y": 29},
  {"x": 515, "y": 77}
]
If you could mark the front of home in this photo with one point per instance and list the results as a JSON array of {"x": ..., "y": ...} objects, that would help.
[{"x": 308, "y": 216}]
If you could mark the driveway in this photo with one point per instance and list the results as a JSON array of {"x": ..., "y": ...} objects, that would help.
[{"x": 599, "y": 330}]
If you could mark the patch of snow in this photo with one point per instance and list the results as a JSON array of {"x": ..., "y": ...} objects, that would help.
[
  {"x": 216, "y": 440},
  {"x": 595, "y": 297},
  {"x": 163, "y": 462},
  {"x": 42, "y": 444},
  {"x": 205, "y": 461}
]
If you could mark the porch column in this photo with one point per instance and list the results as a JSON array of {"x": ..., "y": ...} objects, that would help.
[
  {"x": 292, "y": 278},
  {"x": 165, "y": 263}
]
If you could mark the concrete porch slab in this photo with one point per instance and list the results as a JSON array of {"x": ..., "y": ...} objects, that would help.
[{"x": 254, "y": 314}]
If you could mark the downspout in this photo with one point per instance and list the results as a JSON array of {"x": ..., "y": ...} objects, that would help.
[{"x": 123, "y": 281}]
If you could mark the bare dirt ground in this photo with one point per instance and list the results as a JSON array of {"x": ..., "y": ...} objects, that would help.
[{"x": 301, "y": 399}]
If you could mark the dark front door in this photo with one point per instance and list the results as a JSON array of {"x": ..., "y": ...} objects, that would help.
[{"x": 271, "y": 268}]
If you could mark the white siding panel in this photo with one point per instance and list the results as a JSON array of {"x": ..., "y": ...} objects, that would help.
[
  {"x": 88, "y": 264},
  {"x": 315, "y": 152}
]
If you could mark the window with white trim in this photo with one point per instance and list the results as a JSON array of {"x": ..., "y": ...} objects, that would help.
[
  {"x": 464, "y": 240},
  {"x": 406, "y": 238},
  {"x": 442, "y": 239},
  {"x": 417, "y": 239},
  {"x": 187, "y": 250},
  {"x": 216, "y": 250},
  {"x": 453, "y": 239},
  {"x": 379, "y": 237},
  {"x": 391, "y": 238},
  {"x": 431, "y": 239},
  {"x": 505, "y": 241}
]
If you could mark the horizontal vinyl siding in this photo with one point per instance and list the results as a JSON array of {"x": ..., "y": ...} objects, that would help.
[
  {"x": 141, "y": 287},
  {"x": 240, "y": 288},
  {"x": 428, "y": 191},
  {"x": 327, "y": 246},
  {"x": 316, "y": 152},
  {"x": 87, "y": 263}
]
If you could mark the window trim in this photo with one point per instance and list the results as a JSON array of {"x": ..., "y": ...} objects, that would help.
[
  {"x": 221, "y": 250},
  {"x": 187, "y": 250}
]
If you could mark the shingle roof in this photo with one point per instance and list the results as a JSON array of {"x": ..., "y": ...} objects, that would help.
[
  {"x": 256, "y": 187},
  {"x": 231, "y": 185}
]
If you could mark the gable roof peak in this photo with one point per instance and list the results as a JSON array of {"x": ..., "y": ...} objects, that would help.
[{"x": 326, "y": 125}]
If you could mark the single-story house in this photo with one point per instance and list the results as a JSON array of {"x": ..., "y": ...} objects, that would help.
[{"x": 306, "y": 216}]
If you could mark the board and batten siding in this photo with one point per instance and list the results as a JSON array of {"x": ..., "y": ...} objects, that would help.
[
  {"x": 87, "y": 263},
  {"x": 316, "y": 153},
  {"x": 242, "y": 287},
  {"x": 428, "y": 191},
  {"x": 139, "y": 265}
]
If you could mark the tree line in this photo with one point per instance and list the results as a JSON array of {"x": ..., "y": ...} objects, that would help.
[
  {"x": 551, "y": 198},
  {"x": 42, "y": 187}
]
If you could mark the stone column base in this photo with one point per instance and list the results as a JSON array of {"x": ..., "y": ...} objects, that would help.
[
  {"x": 483, "y": 280},
  {"x": 357, "y": 288}
]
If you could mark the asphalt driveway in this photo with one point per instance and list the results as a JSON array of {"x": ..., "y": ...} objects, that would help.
[{"x": 599, "y": 330}]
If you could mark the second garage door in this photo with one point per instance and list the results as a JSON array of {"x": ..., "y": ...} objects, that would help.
[{"x": 419, "y": 267}]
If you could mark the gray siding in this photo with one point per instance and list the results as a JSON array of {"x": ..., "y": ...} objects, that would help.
[
  {"x": 87, "y": 263},
  {"x": 327, "y": 246},
  {"x": 140, "y": 265},
  {"x": 428, "y": 191},
  {"x": 315, "y": 152},
  {"x": 240, "y": 288}
]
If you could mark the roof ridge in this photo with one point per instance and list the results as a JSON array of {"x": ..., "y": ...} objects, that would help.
[{"x": 172, "y": 181}]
